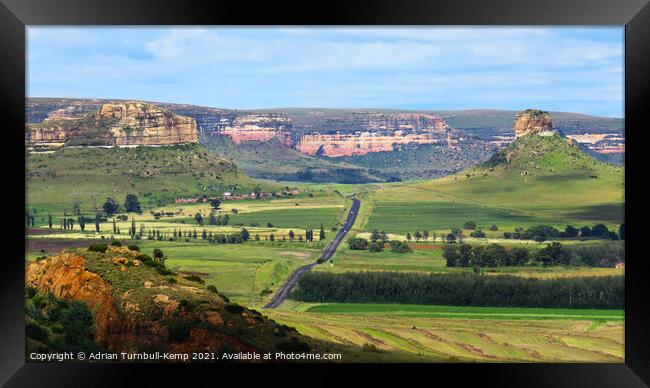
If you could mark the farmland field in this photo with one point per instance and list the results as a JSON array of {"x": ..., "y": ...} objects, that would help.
[{"x": 465, "y": 334}]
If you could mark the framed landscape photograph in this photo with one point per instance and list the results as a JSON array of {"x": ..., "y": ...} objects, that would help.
[{"x": 222, "y": 186}]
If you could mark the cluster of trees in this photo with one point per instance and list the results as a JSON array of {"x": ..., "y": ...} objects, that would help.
[
  {"x": 131, "y": 205},
  {"x": 495, "y": 255},
  {"x": 358, "y": 243},
  {"x": 461, "y": 289},
  {"x": 541, "y": 233}
]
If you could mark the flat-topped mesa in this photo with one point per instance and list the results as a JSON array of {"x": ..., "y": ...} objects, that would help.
[
  {"x": 533, "y": 121},
  {"x": 114, "y": 124},
  {"x": 259, "y": 127},
  {"x": 136, "y": 123}
]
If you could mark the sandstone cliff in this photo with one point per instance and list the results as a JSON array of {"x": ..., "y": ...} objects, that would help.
[
  {"x": 383, "y": 133},
  {"x": 259, "y": 127},
  {"x": 533, "y": 121},
  {"x": 114, "y": 124}
]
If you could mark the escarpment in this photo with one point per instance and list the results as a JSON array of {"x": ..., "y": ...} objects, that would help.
[{"x": 114, "y": 124}]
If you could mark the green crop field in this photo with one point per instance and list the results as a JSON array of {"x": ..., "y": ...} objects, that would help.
[{"x": 465, "y": 334}]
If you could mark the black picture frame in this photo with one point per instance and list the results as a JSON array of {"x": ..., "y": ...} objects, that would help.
[{"x": 15, "y": 15}]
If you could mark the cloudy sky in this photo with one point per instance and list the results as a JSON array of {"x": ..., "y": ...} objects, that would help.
[{"x": 559, "y": 69}]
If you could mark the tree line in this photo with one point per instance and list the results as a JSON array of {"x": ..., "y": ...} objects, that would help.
[
  {"x": 495, "y": 255},
  {"x": 461, "y": 289}
]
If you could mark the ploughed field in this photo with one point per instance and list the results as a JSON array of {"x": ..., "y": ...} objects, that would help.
[{"x": 465, "y": 334}]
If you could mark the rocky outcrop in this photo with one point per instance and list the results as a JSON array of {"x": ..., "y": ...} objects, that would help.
[
  {"x": 130, "y": 323},
  {"x": 116, "y": 124},
  {"x": 532, "y": 121},
  {"x": 259, "y": 127},
  {"x": 65, "y": 276},
  {"x": 384, "y": 132},
  {"x": 145, "y": 124}
]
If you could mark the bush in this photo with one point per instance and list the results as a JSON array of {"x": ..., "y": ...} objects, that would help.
[
  {"x": 477, "y": 234},
  {"x": 116, "y": 243},
  {"x": 400, "y": 247},
  {"x": 164, "y": 271},
  {"x": 172, "y": 280},
  {"x": 194, "y": 278},
  {"x": 470, "y": 225},
  {"x": 293, "y": 346},
  {"x": 234, "y": 308},
  {"x": 158, "y": 254},
  {"x": 358, "y": 243},
  {"x": 179, "y": 329},
  {"x": 212, "y": 289},
  {"x": 98, "y": 247},
  {"x": 134, "y": 248},
  {"x": 376, "y": 246}
]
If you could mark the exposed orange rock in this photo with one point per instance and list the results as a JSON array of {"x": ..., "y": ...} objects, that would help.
[
  {"x": 120, "y": 124},
  {"x": 383, "y": 134},
  {"x": 259, "y": 127},
  {"x": 65, "y": 276},
  {"x": 533, "y": 121}
]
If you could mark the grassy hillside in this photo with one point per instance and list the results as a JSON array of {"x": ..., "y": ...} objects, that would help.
[
  {"x": 534, "y": 180},
  {"x": 156, "y": 174}
]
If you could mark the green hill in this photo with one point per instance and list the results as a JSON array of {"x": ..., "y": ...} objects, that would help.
[
  {"x": 535, "y": 180},
  {"x": 157, "y": 175}
]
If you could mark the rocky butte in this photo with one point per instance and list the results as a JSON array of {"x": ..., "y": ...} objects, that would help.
[
  {"x": 114, "y": 124},
  {"x": 533, "y": 121}
]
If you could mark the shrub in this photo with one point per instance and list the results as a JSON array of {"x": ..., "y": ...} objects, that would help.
[
  {"x": 116, "y": 243},
  {"x": 234, "y": 308},
  {"x": 494, "y": 227},
  {"x": 194, "y": 278},
  {"x": 134, "y": 248},
  {"x": 470, "y": 225},
  {"x": 376, "y": 246},
  {"x": 400, "y": 247},
  {"x": 158, "y": 254},
  {"x": 358, "y": 243},
  {"x": 477, "y": 234},
  {"x": 212, "y": 289},
  {"x": 293, "y": 346},
  {"x": 164, "y": 271},
  {"x": 172, "y": 280},
  {"x": 98, "y": 248},
  {"x": 179, "y": 329}
]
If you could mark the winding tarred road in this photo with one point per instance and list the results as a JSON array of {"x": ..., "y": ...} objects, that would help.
[{"x": 286, "y": 288}]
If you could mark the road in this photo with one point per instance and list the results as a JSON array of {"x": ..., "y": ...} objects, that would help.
[{"x": 286, "y": 288}]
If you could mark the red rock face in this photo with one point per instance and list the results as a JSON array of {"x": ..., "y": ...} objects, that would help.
[
  {"x": 262, "y": 127},
  {"x": 383, "y": 134}
]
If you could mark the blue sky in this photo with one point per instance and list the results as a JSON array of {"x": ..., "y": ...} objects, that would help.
[{"x": 558, "y": 69}]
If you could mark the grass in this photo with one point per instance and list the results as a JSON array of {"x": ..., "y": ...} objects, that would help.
[
  {"x": 465, "y": 334},
  {"x": 157, "y": 175},
  {"x": 241, "y": 271},
  {"x": 562, "y": 186}
]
